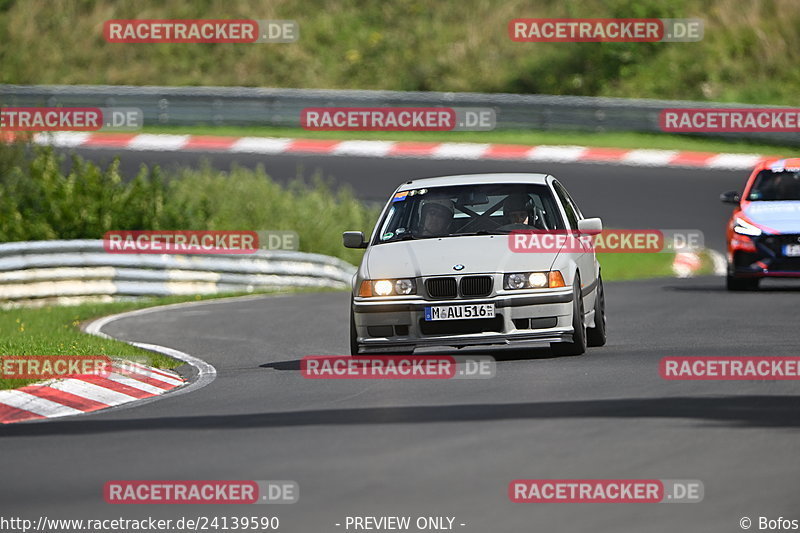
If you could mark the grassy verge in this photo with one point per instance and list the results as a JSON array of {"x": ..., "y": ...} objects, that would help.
[
  {"x": 619, "y": 267},
  {"x": 523, "y": 137}
]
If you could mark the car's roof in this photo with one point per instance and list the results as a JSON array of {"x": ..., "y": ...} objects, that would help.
[
  {"x": 464, "y": 179},
  {"x": 780, "y": 164}
]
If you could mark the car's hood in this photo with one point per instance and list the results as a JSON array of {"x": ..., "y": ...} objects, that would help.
[
  {"x": 783, "y": 217},
  {"x": 432, "y": 257}
]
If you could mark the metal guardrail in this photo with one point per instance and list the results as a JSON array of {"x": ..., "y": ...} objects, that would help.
[
  {"x": 176, "y": 106},
  {"x": 66, "y": 271}
]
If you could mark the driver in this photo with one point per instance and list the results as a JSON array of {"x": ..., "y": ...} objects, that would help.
[
  {"x": 435, "y": 217},
  {"x": 516, "y": 212}
]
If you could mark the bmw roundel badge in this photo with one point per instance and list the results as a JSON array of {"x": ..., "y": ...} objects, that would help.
[{"x": 458, "y": 267}]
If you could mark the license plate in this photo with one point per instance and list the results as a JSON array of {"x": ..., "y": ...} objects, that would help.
[
  {"x": 459, "y": 312},
  {"x": 791, "y": 250}
]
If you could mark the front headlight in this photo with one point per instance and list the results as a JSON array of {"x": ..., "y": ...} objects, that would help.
[
  {"x": 387, "y": 287},
  {"x": 743, "y": 227},
  {"x": 538, "y": 280},
  {"x": 533, "y": 280},
  {"x": 383, "y": 287},
  {"x": 404, "y": 286},
  {"x": 515, "y": 281}
]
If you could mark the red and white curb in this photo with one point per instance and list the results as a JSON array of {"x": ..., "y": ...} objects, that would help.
[
  {"x": 402, "y": 149},
  {"x": 127, "y": 382},
  {"x": 687, "y": 264},
  {"x": 134, "y": 384}
]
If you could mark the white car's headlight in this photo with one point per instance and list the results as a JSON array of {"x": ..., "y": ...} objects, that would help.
[
  {"x": 533, "y": 280},
  {"x": 404, "y": 286},
  {"x": 743, "y": 227},
  {"x": 515, "y": 281},
  {"x": 383, "y": 287},
  {"x": 538, "y": 280},
  {"x": 387, "y": 287}
]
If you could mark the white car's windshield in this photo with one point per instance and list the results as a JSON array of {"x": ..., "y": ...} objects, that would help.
[{"x": 468, "y": 210}]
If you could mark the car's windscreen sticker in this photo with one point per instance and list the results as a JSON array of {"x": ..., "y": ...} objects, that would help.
[{"x": 399, "y": 197}]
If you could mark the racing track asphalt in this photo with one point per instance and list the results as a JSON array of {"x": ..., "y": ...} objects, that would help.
[{"x": 448, "y": 448}]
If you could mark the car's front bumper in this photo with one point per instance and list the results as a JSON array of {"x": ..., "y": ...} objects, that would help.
[
  {"x": 530, "y": 318},
  {"x": 762, "y": 257}
]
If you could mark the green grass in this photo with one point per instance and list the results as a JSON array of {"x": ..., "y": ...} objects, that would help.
[
  {"x": 620, "y": 267},
  {"x": 522, "y": 137},
  {"x": 617, "y": 267},
  {"x": 55, "y": 331}
]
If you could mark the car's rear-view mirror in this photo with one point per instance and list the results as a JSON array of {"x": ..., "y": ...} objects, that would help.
[
  {"x": 353, "y": 239},
  {"x": 590, "y": 226},
  {"x": 730, "y": 197}
]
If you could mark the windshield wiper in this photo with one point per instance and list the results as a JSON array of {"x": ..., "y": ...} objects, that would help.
[{"x": 479, "y": 232}]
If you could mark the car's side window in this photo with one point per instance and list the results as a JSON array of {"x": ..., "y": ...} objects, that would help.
[
  {"x": 388, "y": 223},
  {"x": 570, "y": 208},
  {"x": 572, "y": 202},
  {"x": 574, "y": 205}
]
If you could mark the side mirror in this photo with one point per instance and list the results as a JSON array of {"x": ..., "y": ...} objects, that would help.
[
  {"x": 590, "y": 226},
  {"x": 730, "y": 197},
  {"x": 353, "y": 239}
]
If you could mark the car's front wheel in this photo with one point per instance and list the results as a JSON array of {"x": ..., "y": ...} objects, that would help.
[
  {"x": 578, "y": 344},
  {"x": 596, "y": 336}
]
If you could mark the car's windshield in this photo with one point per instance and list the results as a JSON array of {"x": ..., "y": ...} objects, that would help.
[
  {"x": 770, "y": 185},
  {"x": 468, "y": 210}
]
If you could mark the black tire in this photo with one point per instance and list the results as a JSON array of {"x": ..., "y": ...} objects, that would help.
[
  {"x": 353, "y": 333},
  {"x": 741, "y": 284},
  {"x": 578, "y": 344},
  {"x": 596, "y": 336}
]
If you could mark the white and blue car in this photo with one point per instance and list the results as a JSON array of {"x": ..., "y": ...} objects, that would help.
[{"x": 764, "y": 230}]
